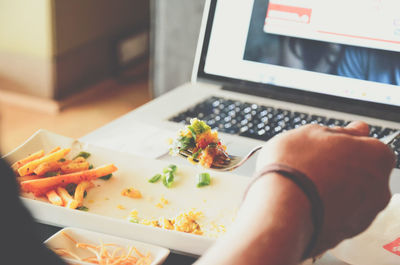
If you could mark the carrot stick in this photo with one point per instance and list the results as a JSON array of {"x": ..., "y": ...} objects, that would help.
[
  {"x": 53, "y": 197},
  {"x": 27, "y": 159},
  {"x": 41, "y": 186},
  {"x": 31, "y": 166}
]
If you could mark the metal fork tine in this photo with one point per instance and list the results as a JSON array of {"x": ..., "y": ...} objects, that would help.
[{"x": 391, "y": 138}]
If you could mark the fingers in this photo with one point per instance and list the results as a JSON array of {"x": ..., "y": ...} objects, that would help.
[
  {"x": 387, "y": 158},
  {"x": 358, "y": 127},
  {"x": 355, "y": 128}
]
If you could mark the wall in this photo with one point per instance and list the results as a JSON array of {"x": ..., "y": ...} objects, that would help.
[
  {"x": 53, "y": 48},
  {"x": 174, "y": 33},
  {"x": 26, "y": 46}
]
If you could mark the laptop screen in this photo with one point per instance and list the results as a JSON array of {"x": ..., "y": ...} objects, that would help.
[{"x": 347, "y": 49}]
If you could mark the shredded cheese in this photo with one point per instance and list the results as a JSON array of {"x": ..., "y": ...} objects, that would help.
[{"x": 107, "y": 254}]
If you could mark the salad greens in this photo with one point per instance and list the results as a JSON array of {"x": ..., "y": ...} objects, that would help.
[
  {"x": 198, "y": 127},
  {"x": 199, "y": 144}
]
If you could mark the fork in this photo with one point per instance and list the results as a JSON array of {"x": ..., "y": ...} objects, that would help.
[
  {"x": 236, "y": 161},
  {"x": 229, "y": 164},
  {"x": 391, "y": 138}
]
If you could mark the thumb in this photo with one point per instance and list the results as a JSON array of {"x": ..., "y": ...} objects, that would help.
[{"x": 356, "y": 128}]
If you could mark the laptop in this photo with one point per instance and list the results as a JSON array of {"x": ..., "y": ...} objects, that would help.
[{"x": 263, "y": 67}]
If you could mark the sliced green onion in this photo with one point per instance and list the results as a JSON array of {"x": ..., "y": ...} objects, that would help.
[
  {"x": 155, "y": 178},
  {"x": 106, "y": 177},
  {"x": 134, "y": 220},
  {"x": 83, "y": 208},
  {"x": 196, "y": 155},
  {"x": 191, "y": 129},
  {"x": 168, "y": 179},
  {"x": 204, "y": 179},
  {"x": 50, "y": 174},
  {"x": 71, "y": 188},
  {"x": 90, "y": 166},
  {"x": 83, "y": 154},
  {"x": 171, "y": 168}
]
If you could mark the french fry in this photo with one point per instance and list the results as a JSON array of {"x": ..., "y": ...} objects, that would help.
[
  {"x": 55, "y": 150},
  {"x": 74, "y": 167},
  {"x": 45, "y": 167},
  {"x": 53, "y": 197},
  {"x": 43, "y": 185},
  {"x": 80, "y": 191},
  {"x": 69, "y": 202},
  {"x": 31, "y": 166},
  {"x": 25, "y": 178},
  {"x": 26, "y": 160}
]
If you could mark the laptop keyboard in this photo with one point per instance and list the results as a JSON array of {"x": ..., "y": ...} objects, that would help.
[{"x": 261, "y": 122}]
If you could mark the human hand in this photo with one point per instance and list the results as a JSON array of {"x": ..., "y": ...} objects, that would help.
[{"x": 349, "y": 169}]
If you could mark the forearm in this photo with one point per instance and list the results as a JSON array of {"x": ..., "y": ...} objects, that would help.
[{"x": 272, "y": 227}]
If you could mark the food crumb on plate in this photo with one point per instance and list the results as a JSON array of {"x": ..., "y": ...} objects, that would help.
[
  {"x": 121, "y": 207},
  {"x": 218, "y": 227},
  {"x": 163, "y": 200},
  {"x": 131, "y": 193},
  {"x": 183, "y": 222}
]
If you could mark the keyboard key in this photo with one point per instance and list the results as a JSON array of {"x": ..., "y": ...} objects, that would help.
[
  {"x": 334, "y": 122},
  {"x": 375, "y": 131},
  {"x": 386, "y": 132}
]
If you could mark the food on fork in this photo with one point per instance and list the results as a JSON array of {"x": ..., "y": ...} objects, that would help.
[
  {"x": 63, "y": 181},
  {"x": 201, "y": 144}
]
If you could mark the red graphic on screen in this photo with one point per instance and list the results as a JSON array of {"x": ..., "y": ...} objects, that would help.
[
  {"x": 291, "y": 13},
  {"x": 393, "y": 247}
]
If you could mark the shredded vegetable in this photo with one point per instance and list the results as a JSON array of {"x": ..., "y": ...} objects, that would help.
[{"x": 107, "y": 254}]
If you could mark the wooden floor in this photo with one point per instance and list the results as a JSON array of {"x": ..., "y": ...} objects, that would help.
[{"x": 76, "y": 120}]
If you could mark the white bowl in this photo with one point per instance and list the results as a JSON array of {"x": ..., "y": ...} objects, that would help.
[{"x": 58, "y": 240}]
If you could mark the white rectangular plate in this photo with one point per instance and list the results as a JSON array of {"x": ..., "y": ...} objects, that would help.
[
  {"x": 218, "y": 202},
  {"x": 58, "y": 240}
]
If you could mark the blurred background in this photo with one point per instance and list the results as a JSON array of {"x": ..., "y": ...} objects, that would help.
[{"x": 71, "y": 66}]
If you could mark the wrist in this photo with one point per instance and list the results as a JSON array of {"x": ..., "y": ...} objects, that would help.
[
  {"x": 273, "y": 226},
  {"x": 280, "y": 195},
  {"x": 309, "y": 189},
  {"x": 281, "y": 210}
]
